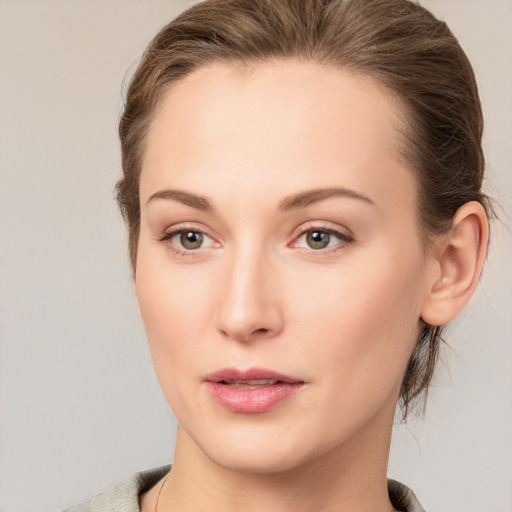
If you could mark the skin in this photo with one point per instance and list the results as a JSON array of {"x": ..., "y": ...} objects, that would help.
[{"x": 344, "y": 318}]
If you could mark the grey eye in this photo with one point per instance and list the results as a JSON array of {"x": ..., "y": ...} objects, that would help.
[
  {"x": 191, "y": 239},
  {"x": 318, "y": 239}
]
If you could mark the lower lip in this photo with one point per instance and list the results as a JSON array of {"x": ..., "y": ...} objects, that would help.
[{"x": 252, "y": 400}]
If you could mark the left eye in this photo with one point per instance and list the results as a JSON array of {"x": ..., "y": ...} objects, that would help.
[{"x": 318, "y": 239}]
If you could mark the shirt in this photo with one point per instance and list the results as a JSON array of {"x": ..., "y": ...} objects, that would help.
[{"x": 125, "y": 495}]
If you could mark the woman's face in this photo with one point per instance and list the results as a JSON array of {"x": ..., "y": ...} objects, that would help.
[{"x": 280, "y": 275}]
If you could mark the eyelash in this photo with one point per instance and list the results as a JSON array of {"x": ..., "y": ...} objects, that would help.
[
  {"x": 169, "y": 235},
  {"x": 343, "y": 240}
]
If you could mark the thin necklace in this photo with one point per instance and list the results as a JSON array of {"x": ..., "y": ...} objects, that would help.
[{"x": 160, "y": 491}]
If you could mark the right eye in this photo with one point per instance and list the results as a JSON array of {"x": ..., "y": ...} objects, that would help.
[
  {"x": 190, "y": 240},
  {"x": 185, "y": 241}
]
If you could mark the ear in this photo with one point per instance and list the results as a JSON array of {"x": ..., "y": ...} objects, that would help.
[{"x": 457, "y": 263}]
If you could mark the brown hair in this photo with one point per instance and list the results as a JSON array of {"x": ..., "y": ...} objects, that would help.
[{"x": 397, "y": 42}]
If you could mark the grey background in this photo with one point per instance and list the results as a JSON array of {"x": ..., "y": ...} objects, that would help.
[{"x": 79, "y": 404}]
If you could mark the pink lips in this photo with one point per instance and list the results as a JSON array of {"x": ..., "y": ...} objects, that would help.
[{"x": 253, "y": 391}]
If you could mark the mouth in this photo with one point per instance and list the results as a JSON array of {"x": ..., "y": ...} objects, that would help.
[
  {"x": 249, "y": 384},
  {"x": 255, "y": 390}
]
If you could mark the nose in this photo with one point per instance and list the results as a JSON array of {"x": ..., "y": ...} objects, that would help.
[{"x": 248, "y": 307}]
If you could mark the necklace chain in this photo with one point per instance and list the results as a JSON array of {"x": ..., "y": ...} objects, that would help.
[{"x": 160, "y": 491}]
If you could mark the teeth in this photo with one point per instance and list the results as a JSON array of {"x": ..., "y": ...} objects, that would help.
[
  {"x": 251, "y": 384},
  {"x": 258, "y": 382}
]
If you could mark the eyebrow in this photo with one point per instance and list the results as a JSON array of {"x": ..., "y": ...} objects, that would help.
[
  {"x": 293, "y": 202},
  {"x": 199, "y": 202},
  {"x": 309, "y": 197}
]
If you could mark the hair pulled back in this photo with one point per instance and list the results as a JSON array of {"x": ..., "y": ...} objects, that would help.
[{"x": 397, "y": 42}]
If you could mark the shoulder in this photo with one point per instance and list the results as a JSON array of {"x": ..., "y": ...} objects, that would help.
[
  {"x": 403, "y": 498},
  {"x": 124, "y": 496}
]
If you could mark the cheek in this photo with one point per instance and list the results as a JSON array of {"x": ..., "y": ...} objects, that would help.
[
  {"x": 173, "y": 304},
  {"x": 172, "y": 307},
  {"x": 363, "y": 319}
]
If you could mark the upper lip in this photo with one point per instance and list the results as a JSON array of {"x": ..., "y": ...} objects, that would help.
[{"x": 251, "y": 374}]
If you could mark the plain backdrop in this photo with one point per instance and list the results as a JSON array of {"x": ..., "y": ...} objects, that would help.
[{"x": 80, "y": 407}]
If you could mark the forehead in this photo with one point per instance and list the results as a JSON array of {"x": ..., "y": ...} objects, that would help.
[{"x": 280, "y": 121}]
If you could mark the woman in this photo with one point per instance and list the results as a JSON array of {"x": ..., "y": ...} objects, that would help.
[{"x": 302, "y": 187}]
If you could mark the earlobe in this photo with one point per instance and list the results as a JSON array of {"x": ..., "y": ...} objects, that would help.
[{"x": 458, "y": 264}]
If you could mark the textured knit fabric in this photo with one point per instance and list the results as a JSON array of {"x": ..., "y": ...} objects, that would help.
[{"x": 124, "y": 496}]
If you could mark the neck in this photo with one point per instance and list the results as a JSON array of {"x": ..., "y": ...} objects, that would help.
[{"x": 350, "y": 477}]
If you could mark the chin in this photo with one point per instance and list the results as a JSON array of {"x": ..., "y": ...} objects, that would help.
[
  {"x": 263, "y": 449},
  {"x": 256, "y": 460}
]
